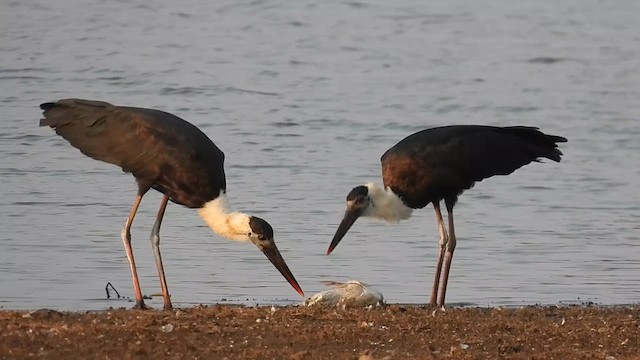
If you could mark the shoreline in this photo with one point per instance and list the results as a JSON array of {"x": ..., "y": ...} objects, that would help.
[{"x": 291, "y": 332}]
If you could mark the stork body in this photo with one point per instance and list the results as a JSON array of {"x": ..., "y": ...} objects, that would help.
[
  {"x": 168, "y": 154},
  {"x": 439, "y": 164}
]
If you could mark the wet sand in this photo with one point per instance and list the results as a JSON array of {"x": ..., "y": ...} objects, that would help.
[{"x": 392, "y": 332}]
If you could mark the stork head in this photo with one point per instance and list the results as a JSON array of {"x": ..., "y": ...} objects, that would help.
[
  {"x": 261, "y": 234},
  {"x": 358, "y": 204},
  {"x": 371, "y": 201},
  {"x": 246, "y": 228}
]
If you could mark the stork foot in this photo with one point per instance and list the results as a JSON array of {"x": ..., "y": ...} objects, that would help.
[{"x": 140, "y": 305}]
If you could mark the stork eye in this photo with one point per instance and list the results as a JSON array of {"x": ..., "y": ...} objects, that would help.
[{"x": 262, "y": 238}]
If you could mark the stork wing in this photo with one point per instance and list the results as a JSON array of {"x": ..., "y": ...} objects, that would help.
[{"x": 158, "y": 148}]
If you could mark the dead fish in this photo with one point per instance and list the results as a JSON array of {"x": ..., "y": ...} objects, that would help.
[{"x": 349, "y": 294}]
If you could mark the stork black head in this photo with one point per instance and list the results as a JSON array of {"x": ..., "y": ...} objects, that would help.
[
  {"x": 262, "y": 235},
  {"x": 261, "y": 228},
  {"x": 358, "y": 201}
]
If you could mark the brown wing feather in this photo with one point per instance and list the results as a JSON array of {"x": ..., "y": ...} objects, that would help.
[
  {"x": 161, "y": 150},
  {"x": 101, "y": 131},
  {"x": 443, "y": 162}
]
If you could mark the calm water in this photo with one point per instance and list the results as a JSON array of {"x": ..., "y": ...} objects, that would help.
[{"x": 304, "y": 97}]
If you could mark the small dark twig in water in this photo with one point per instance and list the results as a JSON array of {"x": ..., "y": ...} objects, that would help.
[{"x": 114, "y": 289}]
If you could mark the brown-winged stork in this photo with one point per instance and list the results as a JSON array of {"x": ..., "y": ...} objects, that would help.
[
  {"x": 439, "y": 164},
  {"x": 170, "y": 155}
]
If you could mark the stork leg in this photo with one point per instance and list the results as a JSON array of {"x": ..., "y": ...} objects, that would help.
[
  {"x": 442, "y": 242},
  {"x": 126, "y": 240},
  {"x": 155, "y": 243},
  {"x": 451, "y": 245}
]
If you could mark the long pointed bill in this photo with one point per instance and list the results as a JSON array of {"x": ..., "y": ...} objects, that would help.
[
  {"x": 276, "y": 259},
  {"x": 350, "y": 217}
]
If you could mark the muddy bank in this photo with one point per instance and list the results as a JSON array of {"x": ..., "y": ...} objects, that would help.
[{"x": 392, "y": 332}]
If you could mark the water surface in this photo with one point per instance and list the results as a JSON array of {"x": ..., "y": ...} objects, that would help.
[{"x": 304, "y": 97}]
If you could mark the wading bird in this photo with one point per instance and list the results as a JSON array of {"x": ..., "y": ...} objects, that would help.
[
  {"x": 440, "y": 163},
  {"x": 170, "y": 155}
]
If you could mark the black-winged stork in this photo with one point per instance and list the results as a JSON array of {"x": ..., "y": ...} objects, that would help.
[
  {"x": 168, "y": 154},
  {"x": 440, "y": 163}
]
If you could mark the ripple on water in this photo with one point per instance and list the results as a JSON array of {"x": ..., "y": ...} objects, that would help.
[{"x": 304, "y": 99}]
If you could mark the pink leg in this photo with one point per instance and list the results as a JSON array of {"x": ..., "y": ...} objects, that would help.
[
  {"x": 155, "y": 243},
  {"x": 451, "y": 245},
  {"x": 126, "y": 239},
  {"x": 442, "y": 242}
]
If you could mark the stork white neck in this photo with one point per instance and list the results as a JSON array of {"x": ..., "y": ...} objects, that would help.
[
  {"x": 386, "y": 205},
  {"x": 234, "y": 225}
]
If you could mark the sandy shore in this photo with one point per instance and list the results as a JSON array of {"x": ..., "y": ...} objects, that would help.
[{"x": 392, "y": 332}]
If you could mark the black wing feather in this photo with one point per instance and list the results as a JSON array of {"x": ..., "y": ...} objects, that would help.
[{"x": 442, "y": 162}]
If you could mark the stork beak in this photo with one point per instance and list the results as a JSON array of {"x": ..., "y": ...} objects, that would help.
[
  {"x": 350, "y": 217},
  {"x": 273, "y": 254}
]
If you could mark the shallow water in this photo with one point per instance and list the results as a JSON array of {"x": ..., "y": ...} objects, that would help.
[{"x": 304, "y": 97}]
